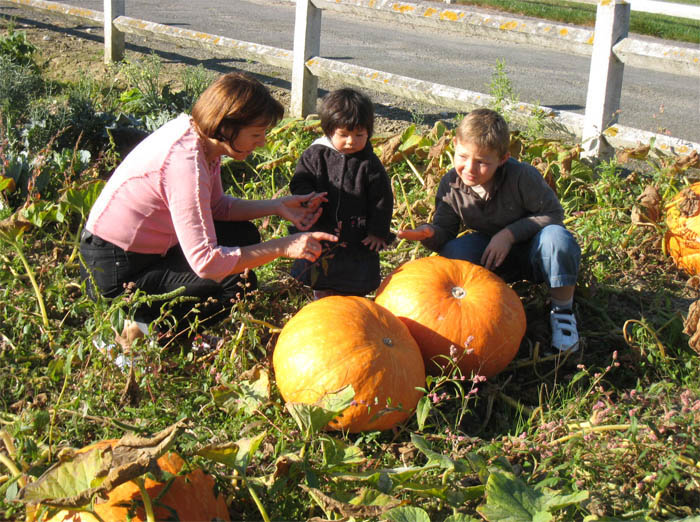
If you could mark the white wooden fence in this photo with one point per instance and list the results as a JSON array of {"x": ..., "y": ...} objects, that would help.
[{"x": 610, "y": 50}]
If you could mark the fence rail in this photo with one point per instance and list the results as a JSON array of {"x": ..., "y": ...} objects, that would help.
[{"x": 610, "y": 50}]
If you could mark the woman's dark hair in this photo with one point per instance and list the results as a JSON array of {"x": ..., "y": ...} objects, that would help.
[
  {"x": 233, "y": 101},
  {"x": 346, "y": 109}
]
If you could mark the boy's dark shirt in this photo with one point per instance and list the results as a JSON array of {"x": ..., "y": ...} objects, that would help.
[
  {"x": 520, "y": 200},
  {"x": 359, "y": 196}
]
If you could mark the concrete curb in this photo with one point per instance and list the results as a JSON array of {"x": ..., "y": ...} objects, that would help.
[{"x": 564, "y": 122}]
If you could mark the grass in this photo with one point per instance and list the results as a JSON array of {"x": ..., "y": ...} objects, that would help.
[
  {"x": 660, "y": 26},
  {"x": 612, "y": 432}
]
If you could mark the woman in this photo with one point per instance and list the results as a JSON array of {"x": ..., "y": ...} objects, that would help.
[{"x": 163, "y": 222}]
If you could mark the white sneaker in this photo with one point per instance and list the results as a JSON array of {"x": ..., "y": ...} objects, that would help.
[{"x": 564, "y": 332}]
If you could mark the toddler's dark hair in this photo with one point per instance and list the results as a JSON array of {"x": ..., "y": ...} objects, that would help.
[{"x": 346, "y": 109}]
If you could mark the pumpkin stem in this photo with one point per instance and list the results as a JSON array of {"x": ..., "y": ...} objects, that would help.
[
  {"x": 458, "y": 292},
  {"x": 147, "y": 504},
  {"x": 258, "y": 503}
]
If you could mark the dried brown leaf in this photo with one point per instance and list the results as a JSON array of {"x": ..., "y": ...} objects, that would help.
[
  {"x": 692, "y": 160},
  {"x": 688, "y": 203},
  {"x": 389, "y": 150},
  {"x": 638, "y": 152},
  {"x": 650, "y": 200},
  {"x": 690, "y": 326},
  {"x": 439, "y": 148}
]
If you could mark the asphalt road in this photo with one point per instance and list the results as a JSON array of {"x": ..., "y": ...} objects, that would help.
[{"x": 652, "y": 101}]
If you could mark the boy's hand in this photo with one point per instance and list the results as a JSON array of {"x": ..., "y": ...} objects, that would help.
[
  {"x": 374, "y": 243},
  {"x": 416, "y": 234},
  {"x": 497, "y": 249}
]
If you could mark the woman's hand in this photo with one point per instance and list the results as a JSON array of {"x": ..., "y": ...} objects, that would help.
[
  {"x": 307, "y": 245},
  {"x": 497, "y": 249},
  {"x": 416, "y": 234},
  {"x": 302, "y": 211}
]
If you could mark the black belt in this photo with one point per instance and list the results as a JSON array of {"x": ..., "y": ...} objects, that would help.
[{"x": 89, "y": 238}]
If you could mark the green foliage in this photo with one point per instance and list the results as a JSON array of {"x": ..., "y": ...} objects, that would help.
[
  {"x": 148, "y": 96},
  {"x": 19, "y": 84},
  {"x": 17, "y": 49},
  {"x": 611, "y": 431}
]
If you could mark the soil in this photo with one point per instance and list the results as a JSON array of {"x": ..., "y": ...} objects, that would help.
[{"x": 69, "y": 51}]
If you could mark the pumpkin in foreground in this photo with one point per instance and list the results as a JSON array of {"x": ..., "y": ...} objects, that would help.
[
  {"x": 343, "y": 340},
  {"x": 682, "y": 239},
  {"x": 458, "y": 310},
  {"x": 189, "y": 497}
]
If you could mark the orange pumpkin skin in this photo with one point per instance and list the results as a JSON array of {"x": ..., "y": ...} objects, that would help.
[
  {"x": 345, "y": 340},
  {"x": 190, "y": 496},
  {"x": 447, "y": 302},
  {"x": 682, "y": 239}
]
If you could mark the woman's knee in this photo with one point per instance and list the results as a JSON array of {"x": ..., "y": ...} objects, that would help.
[{"x": 236, "y": 233}]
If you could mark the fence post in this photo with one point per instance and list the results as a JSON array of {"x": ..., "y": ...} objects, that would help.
[
  {"x": 307, "y": 43},
  {"x": 114, "y": 38},
  {"x": 605, "y": 78}
]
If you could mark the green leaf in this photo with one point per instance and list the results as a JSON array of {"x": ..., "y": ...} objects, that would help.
[
  {"x": 82, "y": 200},
  {"x": 371, "y": 497},
  {"x": 422, "y": 411},
  {"x": 459, "y": 517},
  {"x": 246, "y": 396},
  {"x": 78, "y": 477},
  {"x": 407, "y": 514},
  {"x": 223, "y": 453},
  {"x": 236, "y": 455},
  {"x": 455, "y": 496},
  {"x": 510, "y": 499},
  {"x": 337, "y": 453},
  {"x": 443, "y": 461},
  {"x": 311, "y": 418}
]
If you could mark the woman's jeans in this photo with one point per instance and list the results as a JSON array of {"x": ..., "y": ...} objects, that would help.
[
  {"x": 114, "y": 270},
  {"x": 551, "y": 256}
]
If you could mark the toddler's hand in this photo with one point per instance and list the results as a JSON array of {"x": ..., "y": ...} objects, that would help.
[
  {"x": 303, "y": 211},
  {"x": 374, "y": 243},
  {"x": 416, "y": 234}
]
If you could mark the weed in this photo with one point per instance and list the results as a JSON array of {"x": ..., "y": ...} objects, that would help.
[{"x": 609, "y": 432}]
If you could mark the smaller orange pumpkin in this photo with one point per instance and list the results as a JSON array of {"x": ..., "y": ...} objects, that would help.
[
  {"x": 344, "y": 340},
  {"x": 682, "y": 239},
  {"x": 189, "y": 497},
  {"x": 456, "y": 310}
]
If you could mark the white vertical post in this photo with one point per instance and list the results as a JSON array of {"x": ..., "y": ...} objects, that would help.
[
  {"x": 307, "y": 43},
  {"x": 605, "y": 78},
  {"x": 114, "y": 38}
]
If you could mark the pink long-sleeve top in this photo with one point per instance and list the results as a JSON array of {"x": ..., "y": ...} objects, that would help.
[{"x": 165, "y": 192}]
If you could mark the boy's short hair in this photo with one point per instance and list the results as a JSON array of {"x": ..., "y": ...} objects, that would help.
[
  {"x": 346, "y": 109},
  {"x": 485, "y": 128},
  {"x": 233, "y": 101}
]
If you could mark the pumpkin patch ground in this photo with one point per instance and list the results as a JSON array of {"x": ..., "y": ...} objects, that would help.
[{"x": 611, "y": 432}]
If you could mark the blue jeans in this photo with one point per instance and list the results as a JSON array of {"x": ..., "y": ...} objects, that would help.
[{"x": 551, "y": 256}]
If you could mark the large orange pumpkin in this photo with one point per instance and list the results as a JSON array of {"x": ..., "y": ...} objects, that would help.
[
  {"x": 339, "y": 341},
  {"x": 189, "y": 497},
  {"x": 682, "y": 239},
  {"x": 450, "y": 303}
]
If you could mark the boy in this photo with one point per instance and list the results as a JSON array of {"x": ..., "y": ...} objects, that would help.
[
  {"x": 516, "y": 217},
  {"x": 360, "y": 200}
]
